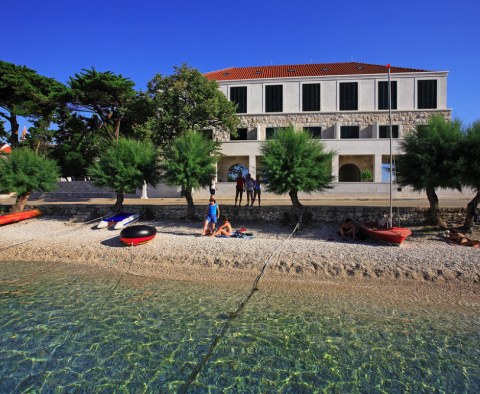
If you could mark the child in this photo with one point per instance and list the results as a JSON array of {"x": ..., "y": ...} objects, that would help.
[
  {"x": 213, "y": 212},
  {"x": 225, "y": 229}
]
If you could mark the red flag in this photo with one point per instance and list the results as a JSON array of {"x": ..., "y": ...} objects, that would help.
[{"x": 388, "y": 65}]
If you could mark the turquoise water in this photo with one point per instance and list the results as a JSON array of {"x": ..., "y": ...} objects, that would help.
[{"x": 69, "y": 329}]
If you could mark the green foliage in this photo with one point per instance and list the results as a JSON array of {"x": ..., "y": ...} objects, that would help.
[
  {"x": 25, "y": 93},
  {"x": 103, "y": 93},
  {"x": 293, "y": 162},
  {"x": 125, "y": 165},
  {"x": 80, "y": 140},
  {"x": 470, "y": 152},
  {"x": 367, "y": 176},
  {"x": 185, "y": 101},
  {"x": 23, "y": 171},
  {"x": 431, "y": 156},
  {"x": 189, "y": 161}
]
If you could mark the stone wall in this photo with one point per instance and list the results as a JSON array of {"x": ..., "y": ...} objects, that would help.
[
  {"x": 241, "y": 215},
  {"x": 406, "y": 119}
]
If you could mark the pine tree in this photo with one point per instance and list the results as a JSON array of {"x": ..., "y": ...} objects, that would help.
[
  {"x": 23, "y": 172},
  {"x": 292, "y": 163},
  {"x": 125, "y": 166},
  {"x": 189, "y": 161}
]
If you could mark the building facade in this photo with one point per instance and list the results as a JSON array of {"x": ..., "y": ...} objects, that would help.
[{"x": 343, "y": 104}]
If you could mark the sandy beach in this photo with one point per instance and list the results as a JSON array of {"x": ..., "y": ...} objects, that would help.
[{"x": 178, "y": 252}]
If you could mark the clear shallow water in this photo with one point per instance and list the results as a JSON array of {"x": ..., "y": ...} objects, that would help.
[{"x": 63, "y": 330}]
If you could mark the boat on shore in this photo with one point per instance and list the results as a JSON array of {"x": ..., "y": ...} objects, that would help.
[
  {"x": 119, "y": 221},
  {"x": 16, "y": 217},
  {"x": 394, "y": 235}
]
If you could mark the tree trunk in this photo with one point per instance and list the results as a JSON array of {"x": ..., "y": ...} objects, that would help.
[
  {"x": 297, "y": 206},
  {"x": 119, "y": 203},
  {"x": 190, "y": 204},
  {"x": 14, "y": 126},
  {"x": 434, "y": 208},
  {"x": 20, "y": 202},
  {"x": 472, "y": 204}
]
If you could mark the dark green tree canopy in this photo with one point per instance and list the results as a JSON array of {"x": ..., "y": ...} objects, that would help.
[
  {"x": 104, "y": 93},
  {"x": 79, "y": 141},
  {"x": 124, "y": 166},
  {"x": 25, "y": 93},
  {"x": 187, "y": 100}
]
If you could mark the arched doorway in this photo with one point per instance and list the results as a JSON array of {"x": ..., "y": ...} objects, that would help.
[
  {"x": 234, "y": 170},
  {"x": 349, "y": 173}
]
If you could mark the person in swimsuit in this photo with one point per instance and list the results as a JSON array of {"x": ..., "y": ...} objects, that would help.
[
  {"x": 225, "y": 229},
  {"x": 256, "y": 190},
  {"x": 240, "y": 186},
  {"x": 347, "y": 228},
  {"x": 213, "y": 212},
  {"x": 461, "y": 239},
  {"x": 249, "y": 186}
]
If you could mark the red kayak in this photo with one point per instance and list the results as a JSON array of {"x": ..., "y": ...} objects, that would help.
[
  {"x": 394, "y": 235},
  {"x": 15, "y": 217}
]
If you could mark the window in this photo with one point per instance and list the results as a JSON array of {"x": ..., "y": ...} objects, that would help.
[
  {"x": 383, "y": 95},
  {"x": 239, "y": 96},
  {"x": 349, "y": 96},
  {"x": 384, "y": 131},
  {"x": 242, "y": 135},
  {"x": 272, "y": 132},
  {"x": 427, "y": 94},
  {"x": 349, "y": 132},
  {"x": 315, "y": 132},
  {"x": 311, "y": 97},
  {"x": 274, "y": 98},
  {"x": 207, "y": 133}
]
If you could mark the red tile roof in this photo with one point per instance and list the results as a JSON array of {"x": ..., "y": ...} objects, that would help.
[
  {"x": 304, "y": 70},
  {"x": 5, "y": 149}
]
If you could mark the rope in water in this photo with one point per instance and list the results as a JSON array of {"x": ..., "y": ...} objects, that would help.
[
  {"x": 232, "y": 316},
  {"x": 26, "y": 383},
  {"x": 76, "y": 227}
]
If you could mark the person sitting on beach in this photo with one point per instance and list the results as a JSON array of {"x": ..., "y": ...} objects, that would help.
[
  {"x": 213, "y": 212},
  {"x": 225, "y": 228},
  {"x": 347, "y": 228},
  {"x": 461, "y": 239}
]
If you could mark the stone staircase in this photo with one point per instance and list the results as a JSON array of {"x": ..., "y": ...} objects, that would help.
[{"x": 81, "y": 216}]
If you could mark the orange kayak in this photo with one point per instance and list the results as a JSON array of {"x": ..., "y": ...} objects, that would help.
[{"x": 15, "y": 217}]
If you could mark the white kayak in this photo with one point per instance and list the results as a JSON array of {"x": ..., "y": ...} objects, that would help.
[{"x": 119, "y": 221}]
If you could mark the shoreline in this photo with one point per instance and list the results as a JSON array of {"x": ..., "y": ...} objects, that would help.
[{"x": 178, "y": 253}]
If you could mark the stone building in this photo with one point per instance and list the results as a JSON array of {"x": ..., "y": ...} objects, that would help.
[{"x": 343, "y": 104}]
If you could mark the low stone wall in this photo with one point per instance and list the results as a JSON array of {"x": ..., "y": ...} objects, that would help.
[{"x": 239, "y": 215}]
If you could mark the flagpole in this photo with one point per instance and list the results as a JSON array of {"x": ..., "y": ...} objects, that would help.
[{"x": 390, "y": 131}]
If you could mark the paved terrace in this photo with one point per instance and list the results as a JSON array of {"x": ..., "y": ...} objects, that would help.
[{"x": 446, "y": 202}]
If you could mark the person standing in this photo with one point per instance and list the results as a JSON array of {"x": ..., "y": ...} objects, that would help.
[
  {"x": 212, "y": 215},
  {"x": 240, "y": 187},
  {"x": 213, "y": 187},
  {"x": 249, "y": 186},
  {"x": 256, "y": 190}
]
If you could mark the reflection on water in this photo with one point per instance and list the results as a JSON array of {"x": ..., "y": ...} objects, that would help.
[{"x": 57, "y": 336}]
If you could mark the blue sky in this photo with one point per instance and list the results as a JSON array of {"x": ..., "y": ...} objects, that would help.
[{"x": 140, "y": 38}]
